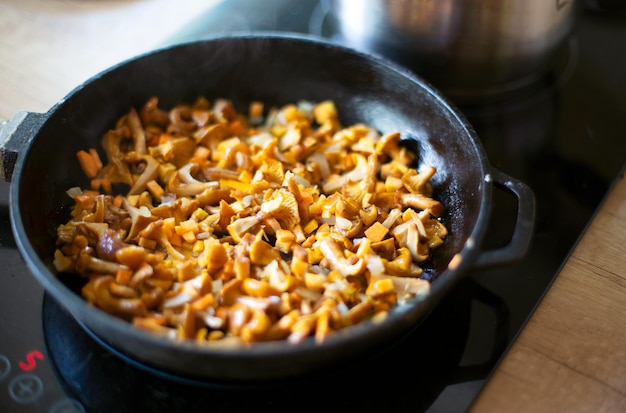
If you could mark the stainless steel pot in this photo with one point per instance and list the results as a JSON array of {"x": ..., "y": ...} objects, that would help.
[{"x": 464, "y": 47}]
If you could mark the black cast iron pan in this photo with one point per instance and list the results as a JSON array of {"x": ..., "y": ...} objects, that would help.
[{"x": 276, "y": 69}]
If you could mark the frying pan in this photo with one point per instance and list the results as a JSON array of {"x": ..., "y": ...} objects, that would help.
[{"x": 38, "y": 153}]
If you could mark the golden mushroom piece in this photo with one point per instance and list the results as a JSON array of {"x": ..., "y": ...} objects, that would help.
[{"x": 277, "y": 225}]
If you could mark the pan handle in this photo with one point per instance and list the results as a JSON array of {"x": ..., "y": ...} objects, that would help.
[
  {"x": 524, "y": 225},
  {"x": 15, "y": 136}
]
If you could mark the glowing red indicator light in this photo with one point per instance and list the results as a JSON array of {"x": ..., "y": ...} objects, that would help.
[{"x": 31, "y": 363}]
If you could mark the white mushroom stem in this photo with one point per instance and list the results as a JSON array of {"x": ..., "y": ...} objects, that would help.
[
  {"x": 140, "y": 217},
  {"x": 333, "y": 253},
  {"x": 101, "y": 266},
  {"x": 357, "y": 174},
  {"x": 417, "y": 286},
  {"x": 420, "y": 201},
  {"x": 139, "y": 135},
  {"x": 149, "y": 174},
  {"x": 189, "y": 185}
]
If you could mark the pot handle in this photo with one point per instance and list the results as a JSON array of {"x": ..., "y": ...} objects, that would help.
[
  {"x": 524, "y": 225},
  {"x": 15, "y": 136}
]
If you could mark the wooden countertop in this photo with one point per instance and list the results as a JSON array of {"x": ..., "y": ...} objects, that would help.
[{"x": 570, "y": 357}]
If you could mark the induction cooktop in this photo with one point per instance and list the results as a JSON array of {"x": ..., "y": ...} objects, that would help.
[{"x": 563, "y": 136}]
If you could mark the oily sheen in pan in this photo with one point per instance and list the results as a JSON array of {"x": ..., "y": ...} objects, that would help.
[{"x": 208, "y": 222}]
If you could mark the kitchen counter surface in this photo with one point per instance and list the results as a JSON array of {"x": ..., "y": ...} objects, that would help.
[{"x": 571, "y": 355}]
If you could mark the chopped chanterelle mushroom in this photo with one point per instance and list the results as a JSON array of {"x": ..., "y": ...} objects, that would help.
[{"x": 277, "y": 225}]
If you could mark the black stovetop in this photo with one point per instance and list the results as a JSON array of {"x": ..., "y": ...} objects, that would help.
[{"x": 563, "y": 136}]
